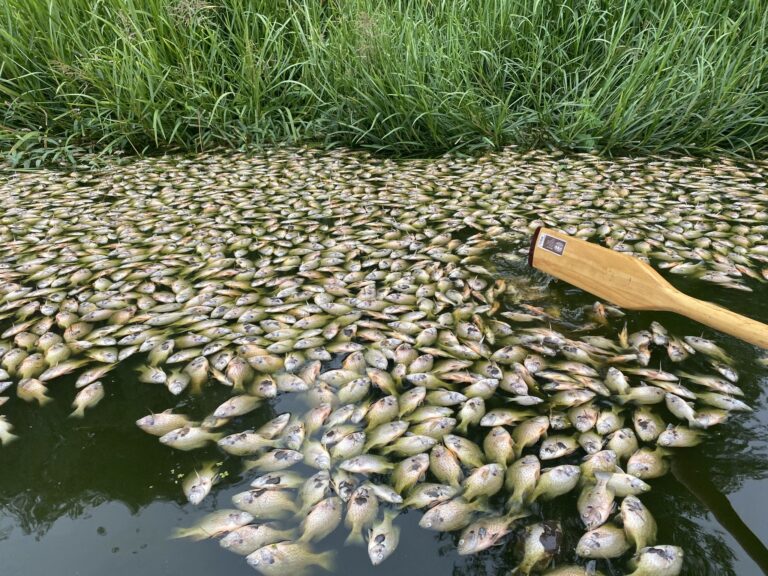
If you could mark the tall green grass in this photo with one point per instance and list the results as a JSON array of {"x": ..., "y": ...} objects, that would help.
[{"x": 406, "y": 76}]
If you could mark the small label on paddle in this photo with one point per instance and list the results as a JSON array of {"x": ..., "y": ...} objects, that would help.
[{"x": 552, "y": 244}]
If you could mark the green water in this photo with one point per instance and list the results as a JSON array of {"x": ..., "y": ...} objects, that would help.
[{"x": 99, "y": 496}]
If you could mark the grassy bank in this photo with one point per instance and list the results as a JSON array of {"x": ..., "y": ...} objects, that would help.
[{"x": 408, "y": 76}]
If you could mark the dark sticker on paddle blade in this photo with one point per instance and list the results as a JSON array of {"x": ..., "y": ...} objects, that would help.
[{"x": 554, "y": 245}]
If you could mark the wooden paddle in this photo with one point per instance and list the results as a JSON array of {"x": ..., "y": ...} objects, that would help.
[{"x": 631, "y": 283}]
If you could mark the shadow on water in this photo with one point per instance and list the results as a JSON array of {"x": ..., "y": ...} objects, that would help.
[
  {"x": 61, "y": 465},
  {"x": 98, "y": 495},
  {"x": 687, "y": 470}
]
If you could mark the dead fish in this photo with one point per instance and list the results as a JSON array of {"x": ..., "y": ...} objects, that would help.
[
  {"x": 451, "y": 515},
  {"x": 31, "y": 390},
  {"x": 289, "y": 558},
  {"x": 554, "y": 482},
  {"x": 498, "y": 446},
  {"x": 275, "y": 460},
  {"x": 189, "y": 438},
  {"x": 647, "y": 464},
  {"x": 383, "y": 538},
  {"x": 322, "y": 519},
  {"x": 657, "y": 561},
  {"x": 607, "y": 541},
  {"x": 237, "y": 406},
  {"x": 266, "y": 504},
  {"x": 247, "y": 539},
  {"x": 163, "y": 422},
  {"x": 198, "y": 483},
  {"x": 638, "y": 523},
  {"x": 486, "y": 532},
  {"x": 362, "y": 509},
  {"x": 595, "y": 504},
  {"x": 6, "y": 437},
  {"x": 541, "y": 542},
  {"x": 521, "y": 478},
  {"x": 88, "y": 397},
  {"x": 214, "y": 524}
]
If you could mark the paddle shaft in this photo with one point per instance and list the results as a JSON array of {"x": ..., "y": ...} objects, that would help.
[
  {"x": 631, "y": 283},
  {"x": 720, "y": 318}
]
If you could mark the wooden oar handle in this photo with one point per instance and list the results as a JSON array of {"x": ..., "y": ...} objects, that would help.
[
  {"x": 721, "y": 319},
  {"x": 630, "y": 283}
]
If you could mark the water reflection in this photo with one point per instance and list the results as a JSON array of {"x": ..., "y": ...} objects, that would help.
[
  {"x": 688, "y": 471},
  {"x": 62, "y": 467}
]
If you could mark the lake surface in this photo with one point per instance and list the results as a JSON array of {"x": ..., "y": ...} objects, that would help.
[{"x": 98, "y": 495}]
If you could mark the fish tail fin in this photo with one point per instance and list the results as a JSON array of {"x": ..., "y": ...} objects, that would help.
[
  {"x": 288, "y": 534},
  {"x": 664, "y": 451},
  {"x": 302, "y": 512},
  {"x": 515, "y": 504},
  {"x": 78, "y": 412},
  {"x": 355, "y": 538},
  {"x": 481, "y": 504},
  {"x": 519, "y": 515},
  {"x": 390, "y": 514},
  {"x": 694, "y": 423},
  {"x": 216, "y": 436},
  {"x": 43, "y": 400},
  {"x": 196, "y": 388},
  {"x": 634, "y": 541},
  {"x": 327, "y": 560},
  {"x": 462, "y": 427},
  {"x": 7, "y": 438},
  {"x": 530, "y": 498},
  {"x": 185, "y": 533}
]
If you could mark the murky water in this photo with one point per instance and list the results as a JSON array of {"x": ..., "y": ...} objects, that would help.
[{"x": 98, "y": 495}]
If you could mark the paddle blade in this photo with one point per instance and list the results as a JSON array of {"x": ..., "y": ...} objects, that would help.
[
  {"x": 612, "y": 276},
  {"x": 631, "y": 283}
]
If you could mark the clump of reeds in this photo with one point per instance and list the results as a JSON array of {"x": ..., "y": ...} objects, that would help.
[{"x": 407, "y": 76}]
